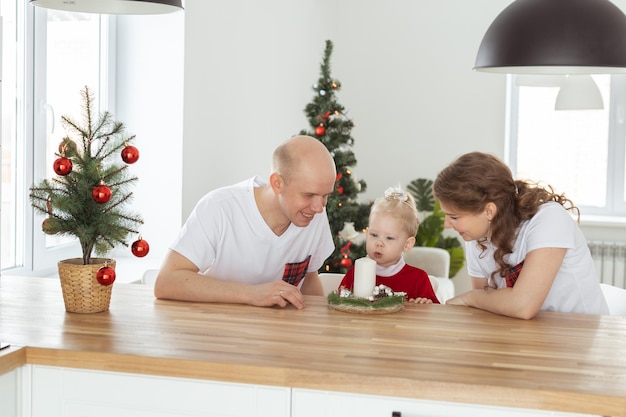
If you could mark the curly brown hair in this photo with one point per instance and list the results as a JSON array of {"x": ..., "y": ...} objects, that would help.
[{"x": 475, "y": 179}]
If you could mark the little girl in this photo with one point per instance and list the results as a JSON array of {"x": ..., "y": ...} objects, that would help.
[{"x": 392, "y": 228}]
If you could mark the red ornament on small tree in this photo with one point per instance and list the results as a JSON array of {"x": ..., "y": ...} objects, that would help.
[
  {"x": 130, "y": 154},
  {"x": 140, "y": 248},
  {"x": 320, "y": 130},
  {"x": 62, "y": 166},
  {"x": 105, "y": 275},
  {"x": 101, "y": 193}
]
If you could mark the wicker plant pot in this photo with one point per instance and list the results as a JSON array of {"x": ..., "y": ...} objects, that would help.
[{"x": 82, "y": 293}]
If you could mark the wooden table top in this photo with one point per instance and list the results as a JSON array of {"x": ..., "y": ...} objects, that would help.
[{"x": 557, "y": 361}]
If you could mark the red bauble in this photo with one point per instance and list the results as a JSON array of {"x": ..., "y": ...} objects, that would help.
[
  {"x": 340, "y": 190},
  {"x": 105, "y": 275},
  {"x": 140, "y": 248},
  {"x": 320, "y": 130},
  {"x": 62, "y": 166},
  {"x": 346, "y": 262},
  {"x": 130, "y": 154},
  {"x": 101, "y": 194}
]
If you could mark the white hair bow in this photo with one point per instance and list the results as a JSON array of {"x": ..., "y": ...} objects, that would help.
[{"x": 392, "y": 193}]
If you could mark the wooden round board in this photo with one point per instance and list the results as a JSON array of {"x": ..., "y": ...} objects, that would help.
[{"x": 366, "y": 310}]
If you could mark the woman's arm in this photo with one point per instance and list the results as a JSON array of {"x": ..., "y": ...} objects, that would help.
[{"x": 524, "y": 300}]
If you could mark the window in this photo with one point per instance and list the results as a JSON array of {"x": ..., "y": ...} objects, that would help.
[
  {"x": 578, "y": 152},
  {"x": 48, "y": 57}
]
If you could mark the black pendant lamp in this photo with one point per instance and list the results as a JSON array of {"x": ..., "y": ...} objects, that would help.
[
  {"x": 112, "y": 6},
  {"x": 555, "y": 37}
]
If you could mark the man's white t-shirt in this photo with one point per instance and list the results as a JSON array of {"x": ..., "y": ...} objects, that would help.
[
  {"x": 576, "y": 287},
  {"x": 226, "y": 237}
]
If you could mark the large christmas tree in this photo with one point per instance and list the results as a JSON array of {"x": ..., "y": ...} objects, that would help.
[{"x": 329, "y": 123}]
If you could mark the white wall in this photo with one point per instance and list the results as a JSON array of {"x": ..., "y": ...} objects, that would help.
[
  {"x": 405, "y": 67},
  {"x": 249, "y": 67},
  {"x": 149, "y": 90}
]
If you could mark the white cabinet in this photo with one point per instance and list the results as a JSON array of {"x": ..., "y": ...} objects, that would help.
[
  {"x": 313, "y": 403},
  {"x": 44, "y": 391},
  {"x": 9, "y": 393},
  {"x": 63, "y": 392}
]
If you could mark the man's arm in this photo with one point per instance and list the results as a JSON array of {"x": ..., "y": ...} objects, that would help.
[{"x": 178, "y": 279}]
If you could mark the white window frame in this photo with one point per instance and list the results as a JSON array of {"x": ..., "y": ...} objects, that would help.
[
  {"x": 32, "y": 118},
  {"x": 615, "y": 205}
]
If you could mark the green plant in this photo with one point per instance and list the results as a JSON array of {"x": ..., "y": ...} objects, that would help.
[
  {"x": 430, "y": 231},
  {"x": 87, "y": 197}
]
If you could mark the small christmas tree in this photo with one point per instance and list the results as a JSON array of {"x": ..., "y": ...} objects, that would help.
[
  {"x": 88, "y": 196},
  {"x": 332, "y": 127}
]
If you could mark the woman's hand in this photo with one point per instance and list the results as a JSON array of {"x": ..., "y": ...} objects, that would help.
[{"x": 459, "y": 300}]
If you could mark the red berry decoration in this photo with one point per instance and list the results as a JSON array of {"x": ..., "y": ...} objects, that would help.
[
  {"x": 130, "y": 154},
  {"x": 140, "y": 248},
  {"x": 62, "y": 166},
  {"x": 320, "y": 130},
  {"x": 105, "y": 275},
  {"x": 346, "y": 262},
  {"x": 101, "y": 194}
]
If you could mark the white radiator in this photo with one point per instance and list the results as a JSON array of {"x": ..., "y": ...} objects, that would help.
[{"x": 610, "y": 260}]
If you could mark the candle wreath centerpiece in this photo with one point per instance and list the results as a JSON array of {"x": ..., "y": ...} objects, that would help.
[
  {"x": 382, "y": 301},
  {"x": 87, "y": 199},
  {"x": 366, "y": 297}
]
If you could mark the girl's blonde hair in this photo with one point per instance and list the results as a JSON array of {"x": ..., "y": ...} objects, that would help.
[{"x": 401, "y": 205}]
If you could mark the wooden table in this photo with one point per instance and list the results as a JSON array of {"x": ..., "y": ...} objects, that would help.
[{"x": 566, "y": 362}]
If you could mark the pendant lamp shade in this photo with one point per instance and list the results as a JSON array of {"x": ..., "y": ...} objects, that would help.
[
  {"x": 555, "y": 37},
  {"x": 112, "y": 6},
  {"x": 579, "y": 92}
]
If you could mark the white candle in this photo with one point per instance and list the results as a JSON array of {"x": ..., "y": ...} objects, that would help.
[{"x": 364, "y": 277}]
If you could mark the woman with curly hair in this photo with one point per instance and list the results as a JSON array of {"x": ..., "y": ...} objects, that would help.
[{"x": 524, "y": 250}]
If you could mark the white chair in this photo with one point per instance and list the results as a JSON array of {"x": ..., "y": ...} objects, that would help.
[
  {"x": 615, "y": 298},
  {"x": 149, "y": 276},
  {"x": 330, "y": 281},
  {"x": 435, "y": 261},
  {"x": 444, "y": 289}
]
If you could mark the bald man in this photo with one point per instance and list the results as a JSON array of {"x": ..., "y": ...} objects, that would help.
[{"x": 256, "y": 242}]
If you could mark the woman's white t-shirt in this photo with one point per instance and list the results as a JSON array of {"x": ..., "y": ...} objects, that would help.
[{"x": 576, "y": 287}]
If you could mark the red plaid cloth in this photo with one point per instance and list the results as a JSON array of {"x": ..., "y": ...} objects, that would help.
[
  {"x": 294, "y": 272},
  {"x": 514, "y": 272}
]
